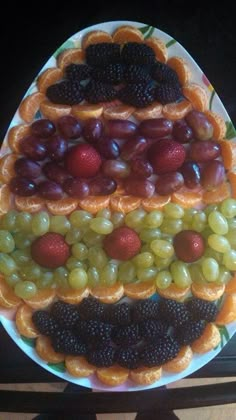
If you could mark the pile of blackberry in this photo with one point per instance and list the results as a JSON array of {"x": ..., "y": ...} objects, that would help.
[
  {"x": 129, "y": 72},
  {"x": 144, "y": 333}
]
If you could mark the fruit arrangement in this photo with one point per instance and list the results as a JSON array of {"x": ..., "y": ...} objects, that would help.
[{"x": 118, "y": 186}]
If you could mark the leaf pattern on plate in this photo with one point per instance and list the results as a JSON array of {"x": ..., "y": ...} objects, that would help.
[
  {"x": 28, "y": 341},
  {"x": 66, "y": 45},
  {"x": 170, "y": 43},
  {"x": 230, "y": 130},
  {"x": 211, "y": 99},
  {"x": 58, "y": 367},
  {"x": 224, "y": 335},
  {"x": 147, "y": 31}
]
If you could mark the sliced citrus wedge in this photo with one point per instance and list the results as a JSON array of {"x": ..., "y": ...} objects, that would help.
[
  {"x": 63, "y": 207},
  {"x": 72, "y": 296},
  {"x": 15, "y": 135},
  {"x": 159, "y": 48},
  {"x": 79, "y": 367},
  {"x": 42, "y": 299},
  {"x": 45, "y": 350},
  {"x": 5, "y": 199},
  {"x": 217, "y": 196},
  {"x": 54, "y": 111},
  {"x": 139, "y": 290},
  {"x": 7, "y": 170},
  {"x": 228, "y": 152},
  {"x": 83, "y": 112},
  {"x": 196, "y": 95},
  {"x": 29, "y": 204},
  {"x": 48, "y": 78},
  {"x": 30, "y": 105},
  {"x": 145, "y": 375},
  {"x": 156, "y": 202},
  {"x": 152, "y": 111},
  {"x": 70, "y": 55},
  {"x": 219, "y": 127},
  {"x": 174, "y": 292},
  {"x": 177, "y": 110},
  {"x": 109, "y": 294},
  {"x": 113, "y": 376},
  {"x": 182, "y": 69},
  {"x": 24, "y": 322},
  {"x": 94, "y": 203},
  {"x": 8, "y": 299},
  {"x": 209, "y": 339},
  {"x": 95, "y": 37},
  {"x": 227, "y": 312},
  {"x": 124, "y": 203},
  {"x": 180, "y": 362},
  {"x": 208, "y": 291},
  {"x": 127, "y": 33}
]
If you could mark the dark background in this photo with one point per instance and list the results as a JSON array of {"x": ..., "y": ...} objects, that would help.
[{"x": 31, "y": 35}]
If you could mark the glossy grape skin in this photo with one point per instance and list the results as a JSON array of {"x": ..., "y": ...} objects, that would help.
[
  {"x": 140, "y": 187},
  {"x": 40, "y": 223},
  {"x": 25, "y": 289},
  {"x": 210, "y": 269},
  {"x": 196, "y": 274},
  {"x": 7, "y": 264},
  {"x": 199, "y": 221},
  {"x": 127, "y": 272},
  {"x": 91, "y": 238},
  {"x": 163, "y": 279},
  {"x": 182, "y": 132},
  {"x": 33, "y": 147},
  {"x": 146, "y": 274},
  {"x": 8, "y": 220},
  {"x": 134, "y": 147},
  {"x": 43, "y": 128},
  {"x": 76, "y": 187},
  {"x": 27, "y": 168},
  {"x": 56, "y": 147},
  {"x": 134, "y": 219},
  {"x": 155, "y": 128},
  {"x": 219, "y": 243},
  {"x": 101, "y": 225},
  {"x": 212, "y": 175},
  {"x": 108, "y": 148},
  {"x": 80, "y": 251},
  {"x": 23, "y": 221},
  {"x": 204, "y": 151},
  {"x": 117, "y": 218},
  {"x": 116, "y": 168},
  {"x": 12, "y": 279},
  {"x": 93, "y": 277},
  {"x": 108, "y": 275},
  {"x": 60, "y": 277},
  {"x": 228, "y": 207},
  {"x": 80, "y": 218},
  {"x": 180, "y": 274},
  {"x": 97, "y": 257},
  {"x": 153, "y": 219},
  {"x": 147, "y": 235},
  {"x": 144, "y": 260},
  {"x": 174, "y": 211},
  {"x": 171, "y": 226},
  {"x": 202, "y": 128},
  {"x": 59, "y": 224},
  {"x": 93, "y": 130},
  {"x": 229, "y": 260},
  {"x": 141, "y": 167},
  {"x": 69, "y": 127},
  {"x": 55, "y": 172},
  {"x": 169, "y": 183},
  {"x": 50, "y": 190},
  {"x": 106, "y": 213},
  {"x": 78, "y": 278},
  {"x": 191, "y": 173},
  {"x": 7, "y": 243},
  {"x": 22, "y": 186},
  {"x": 218, "y": 223},
  {"x": 120, "y": 129},
  {"x": 102, "y": 185}
]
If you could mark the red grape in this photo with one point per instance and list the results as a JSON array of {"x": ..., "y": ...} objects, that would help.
[
  {"x": 121, "y": 129},
  {"x": 93, "y": 130},
  {"x": 212, "y": 175},
  {"x": 156, "y": 128},
  {"x": 203, "y": 151},
  {"x": 69, "y": 127},
  {"x": 202, "y": 128},
  {"x": 27, "y": 168},
  {"x": 33, "y": 147},
  {"x": 50, "y": 190},
  {"x": 191, "y": 173},
  {"x": 182, "y": 132},
  {"x": 140, "y": 187},
  {"x": 22, "y": 186},
  {"x": 134, "y": 147},
  {"x": 102, "y": 186},
  {"x": 56, "y": 147},
  {"x": 55, "y": 172},
  {"x": 108, "y": 148},
  {"x": 76, "y": 187},
  {"x": 169, "y": 183},
  {"x": 116, "y": 168},
  {"x": 43, "y": 128},
  {"x": 141, "y": 167}
]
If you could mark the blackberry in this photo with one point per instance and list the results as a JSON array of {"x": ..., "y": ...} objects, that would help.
[
  {"x": 151, "y": 329},
  {"x": 102, "y": 356},
  {"x": 111, "y": 73},
  {"x": 189, "y": 332},
  {"x": 202, "y": 309},
  {"x": 91, "y": 308},
  {"x": 66, "y": 315},
  {"x": 136, "y": 74},
  {"x": 126, "y": 335},
  {"x": 175, "y": 313},
  {"x": 96, "y": 92},
  {"x": 102, "y": 53},
  {"x": 128, "y": 357},
  {"x": 45, "y": 323},
  {"x": 136, "y": 53},
  {"x": 156, "y": 354},
  {"x": 65, "y": 92},
  {"x": 162, "y": 73},
  {"x": 144, "y": 310},
  {"x": 138, "y": 95},
  {"x": 66, "y": 342},
  {"x": 119, "y": 314},
  {"x": 96, "y": 331},
  {"x": 77, "y": 72},
  {"x": 167, "y": 93}
]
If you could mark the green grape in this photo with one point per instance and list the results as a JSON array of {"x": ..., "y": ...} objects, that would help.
[
  {"x": 199, "y": 221},
  {"x": 91, "y": 238},
  {"x": 229, "y": 260},
  {"x": 101, "y": 225},
  {"x": 219, "y": 243},
  {"x": 172, "y": 226},
  {"x": 228, "y": 208},
  {"x": 97, "y": 257},
  {"x": 231, "y": 237},
  {"x": 74, "y": 235},
  {"x": 163, "y": 279},
  {"x": 188, "y": 215},
  {"x": 218, "y": 223},
  {"x": 21, "y": 256},
  {"x": 145, "y": 248},
  {"x": 162, "y": 248},
  {"x": 9, "y": 220},
  {"x": 144, "y": 260},
  {"x": 153, "y": 219},
  {"x": 211, "y": 253},
  {"x": 206, "y": 233},
  {"x": 60, "y": 277},
  {"x": 134, "y": 219},
  {"x": 127, "y": 272},
  {"x": 209, "y": 209},
  {"x": 162, "y": 263},
  {"x": 148, "y": 235},
  {"x": 12, "y": 279},
  {"x": 80, "y": 251},
  {"x": 180, "y": 274},
  {"x": 59, "y": 224},
  {"x": 40, "y": 223},
  {"x": 232, "y": 224},
  {"x": 146, "y": 274},
  {"x": 108, "y": 275},
  {"x": 93, "y": 277},
  {"x": 23, "y": 241},
  {"x": 105, "y": 213},
  {"x": 210, "y": 269},
  {"x": 31, "y": 271},
  {"x": 224, "y": 275},
  {"x": 45, "y": 280},
  {"x": 78, "y": 278},
  {"x": 80, "y": 218},
  {"x": 73, "y": 262},
  {"x": 7, "y": 243},
  {"x": 25, "y": 289},
  {"x": 174, "y": 211},
  {"x": 24, "y": 221},
  {"x": 7, "y": 264},
  {"x": 117, "y": 218},
  {"x": 196, "y": 274},
  {"x": 167, "y": 237}
]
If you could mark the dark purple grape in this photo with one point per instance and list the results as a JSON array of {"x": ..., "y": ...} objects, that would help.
[
  {"x": 116, "y": 168},
  {"x": 43, "y": 128},
  {"x": 102, "y": 186},
  {"x": 69, "y": 127},
  {"x": 140, "y": 187},
  {"x": 169, "y": 183},
  {"x": 182, "y": 132},
  {"x": 55, "y": 173},
  {"x": 22, "y": 186},
  {"x": 155, "y": 128},
  {"x": 202, "y": 128},
  {"x": 212, "y": 175},
  {"x": 120, "y": 129},
  {"x": 93, "y": 130},
  {"x": 33, "y": 147},
  {"x": 50, "y": 190},
  {"x": 141, "y": 167},
  {"x": 108, "y": 148},
  {"x": 134, "y": 147},
  {"x": 27, "y": 168},
  {"x": 76, "y": 187},
  {"x": 203, "y": 151},
  {"x": 191, "y": 173},
  {"x": 56, "y": 147}
]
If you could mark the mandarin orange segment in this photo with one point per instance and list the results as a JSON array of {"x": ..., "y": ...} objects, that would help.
[
  {"x": 228, "y": 153},
  {"x": 15, "y": 135},
  {"x": 120, "y": 112},
  {"x": 24, "y": 322},
  {"x": 232, "y": 180},
  {"x": 219, "y": 127},
  {"x": 230, "y": 287},
  {"x": 108, "y": 294},
  {"x": 94, "y": 203},
  {"x": 83, "y": 112},
  {"x": 45, "y": 350},
  {"x": 78, "y": 366},
  {"x": 29, "y": 204},
  {"x": 209, "y": 339},
  {"x": 180, "y": 362},
  {"x": 54, "y": 111},
  {"x": 113, "y": 376},
  {"x": 140, "y": 290},
  {"x": 48, "y": 77},
  {"x": 159, "y": 48},
  {"x": 127, "y": 33},
  {"x": 71, "y": 295},
  {"x": 217, "y": 196},
  {"x": 30, "y": 105},
  {"x": 7, "y": 170},
  {"x": 95, "y": 37},
  {"x": 70, "y": 55},
  {"x": 145, "y": 375},
  {"x": 124, "y": 203},
  {"x": 176, "y": 110},
  {"x": 5, "y": 199},
  {"x": 155, "y": 202},
  {"x": 42, "y": 299},
  {"x": 152, "y": 111},
  {"x": 196, "y": 95},
  {"x": 227, "y": 312},
  {"x": 63, "y": 207},
  {"x": 182, "y": 69},
  {"x": 208, "y": 291},
  {"x": 174, "y": 292},
  {"x": 8, "y": 299},
  {"x": 187, "y": 198}
]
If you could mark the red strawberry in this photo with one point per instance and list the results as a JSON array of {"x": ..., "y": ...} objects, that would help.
[
  {"x": 166, "y": 155},
  {"x": 189, "y": 245},
  {"x": 50, "y": 250},
  {"x": 122, "y": 244},
  {"x": 83, "y": 161}
]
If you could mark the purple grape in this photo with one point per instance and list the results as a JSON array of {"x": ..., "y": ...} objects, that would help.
[
  {"x": 27, "y": 168},
  {"x": 50, "y": 190},
  {"x": 33, "y": 147},
  {"x": 120, "y": 129},
  {"x": 134, "y": 147},
  {"x": 191, "y": 173},
  {"x": 22, "y": 186},
  {"x": 203, "y": 151},
  {"x": 142, "y": 167},
  {"x": 102, "y": 186},
  {"x": 76, "y": 187},
  {"x": 169, "y": 183},
  {"x": 56, "y": 147},
  {"x": 69, "y": 127},
  {"x": 155, "y": 128},
  {"x": 43, "y": 128},
  {"x": 213, "y": 174},
  {"x": 55, "y": 173},
  {"x": 116, "y": 168},
  {"x": 93, "y": 130},
  {"x": 108, "y": 148},
  {"x": 140, "y": 187},
  {"x": 182, "y": 132}
]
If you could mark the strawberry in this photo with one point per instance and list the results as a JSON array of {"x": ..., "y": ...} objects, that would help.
[
  {"x": 189, "y": 245},
  {"x": 166, "y": 155},
  {"x": 122, "y": 244},
  {"x": 50, "y": 250},
  {"x": 83, "y": 161}
]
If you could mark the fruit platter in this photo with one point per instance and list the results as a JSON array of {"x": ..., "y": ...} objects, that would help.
[{"x": 118, "y": 213}]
